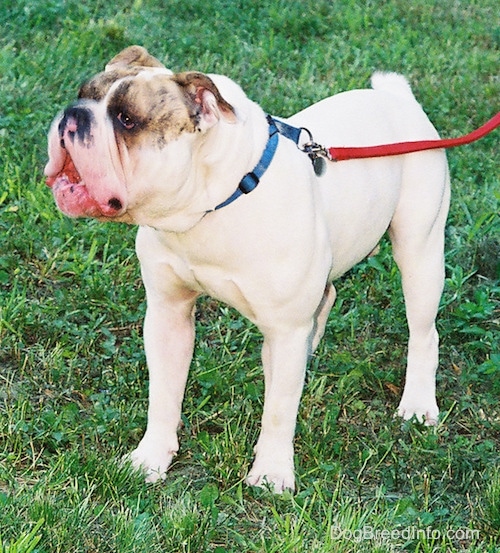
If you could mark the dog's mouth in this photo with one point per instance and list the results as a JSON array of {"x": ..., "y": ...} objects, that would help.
[
  {"x": 73, "y": 197},
  {"x": 68, "y": 173}
]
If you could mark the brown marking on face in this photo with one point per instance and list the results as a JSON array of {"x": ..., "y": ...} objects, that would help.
[
  {"x": 128, "y": 63},
  {"x": 153, "y": 109},
  {"x": 151, "y": 106},
  {"x": 97, "y": 87},
  {"x": 134, "y": 56}
]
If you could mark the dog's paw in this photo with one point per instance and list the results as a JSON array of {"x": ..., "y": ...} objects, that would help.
[
  {"x": 276, "y": 482},
  {"x": 153, "y": 463},
  {"x": 269, "y": 476},
  {"x": 427, "y": 414}
]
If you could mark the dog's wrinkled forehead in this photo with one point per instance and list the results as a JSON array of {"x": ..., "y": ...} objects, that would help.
[
  {"x": 143, "y": 105},
  {"x": 147, "y": 103},
  {"x": 98, "y": 86},
  {"x": 128, "y": 63},
  {"x": 156, "y": 104}
]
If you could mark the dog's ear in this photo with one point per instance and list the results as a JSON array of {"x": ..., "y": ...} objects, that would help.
[
  {"x": 205, "y": 98},
  {"x": 133, "y": 56}
]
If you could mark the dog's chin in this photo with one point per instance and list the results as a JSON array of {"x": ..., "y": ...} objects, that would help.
[{"x": 73, "y": 198}]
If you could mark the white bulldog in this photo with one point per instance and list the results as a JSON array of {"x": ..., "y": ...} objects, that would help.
[{"x": 167, "y": 152}]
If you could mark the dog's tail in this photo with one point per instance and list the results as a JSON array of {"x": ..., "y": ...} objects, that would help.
[{"x": 391, "y": 82}]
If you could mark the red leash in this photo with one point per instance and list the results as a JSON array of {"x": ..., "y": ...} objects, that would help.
[
  {"x": 318, "y": 153},
  {"x": 341, "y": 154}
]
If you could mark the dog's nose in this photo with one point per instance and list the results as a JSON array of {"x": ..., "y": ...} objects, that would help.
[{"x": 76, "y": 121}]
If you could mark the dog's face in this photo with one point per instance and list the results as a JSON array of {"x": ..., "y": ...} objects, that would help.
[{"x": 129, "y": 139}]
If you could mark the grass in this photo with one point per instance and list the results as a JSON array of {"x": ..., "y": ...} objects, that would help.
[{"x": 73, "y": 381}]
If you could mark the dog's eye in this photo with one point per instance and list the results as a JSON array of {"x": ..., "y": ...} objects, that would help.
[{"x": 125, "y": 120}]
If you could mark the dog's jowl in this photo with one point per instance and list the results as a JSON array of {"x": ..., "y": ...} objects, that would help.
[{"x": 227, "y": 205}]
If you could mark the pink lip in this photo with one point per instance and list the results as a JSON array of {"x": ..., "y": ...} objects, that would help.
[{"x": 73, "y": 198}]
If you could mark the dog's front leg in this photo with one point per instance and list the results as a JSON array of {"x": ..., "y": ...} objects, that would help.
[
  {"x": 169, "y": 340},
  {"x": 284, "y": 356}
]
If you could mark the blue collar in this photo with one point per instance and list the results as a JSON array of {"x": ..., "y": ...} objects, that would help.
[
  {"x": 276, "y": 127},
  {"x": 251, "y": 180}
]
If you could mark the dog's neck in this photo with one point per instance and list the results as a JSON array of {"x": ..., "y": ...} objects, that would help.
[{"x": 219, "y": 163}]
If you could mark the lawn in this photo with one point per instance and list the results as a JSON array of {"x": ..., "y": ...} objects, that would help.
[{"x": 73, "y": 382}]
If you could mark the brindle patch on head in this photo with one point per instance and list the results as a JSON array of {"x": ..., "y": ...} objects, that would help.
[
  {"x": 134, "y": 55},
  {"x": 151, "y": 109},
  {"x": 97, "y": 87},
  {"x": 128, "y": 63}
]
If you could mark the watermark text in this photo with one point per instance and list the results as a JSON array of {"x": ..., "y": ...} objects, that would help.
[{"x": 408, "y": 534}]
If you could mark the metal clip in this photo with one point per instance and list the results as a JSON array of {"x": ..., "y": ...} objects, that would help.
[
  {"x": 316, "y": 153},
  {"x": 312, "y": 148}
]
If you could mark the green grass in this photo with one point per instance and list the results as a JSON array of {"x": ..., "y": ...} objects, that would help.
[{"x": 73, "y": 384}]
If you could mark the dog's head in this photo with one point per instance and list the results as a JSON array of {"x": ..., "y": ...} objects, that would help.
[{"x": 130, "y": 138}]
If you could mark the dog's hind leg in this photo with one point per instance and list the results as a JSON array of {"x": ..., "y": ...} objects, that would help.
[
  {"x": 321, "y": 315},
  {"x": 417, "y": 235}
]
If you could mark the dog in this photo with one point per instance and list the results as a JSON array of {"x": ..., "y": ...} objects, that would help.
[{"x": 169, "y": 152}]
